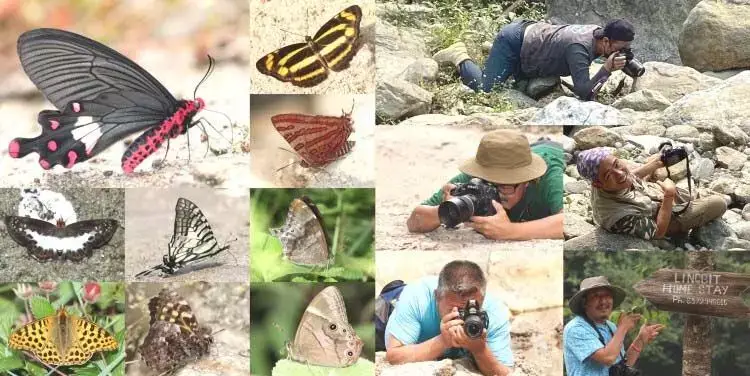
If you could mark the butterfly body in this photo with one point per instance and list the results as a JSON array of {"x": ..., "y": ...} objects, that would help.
[
  {"x": 192, "y": 240},
  {"x": 101, "y": 97},
  {"x": 319, "y": 140},
  {"x": 174, "y": 337},
  {"x": 45, "y": 241},
  {"x": 324, "y": 336},
  {"x": 303, "y": 235},
  {"x": 307, "y": 64},
  {"x": 62, "y": 339}
]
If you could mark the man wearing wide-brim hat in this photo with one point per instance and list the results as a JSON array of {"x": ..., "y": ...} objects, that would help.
[
  {"x": 528, "y": 179},
  {"x": 592, "y": 344}
]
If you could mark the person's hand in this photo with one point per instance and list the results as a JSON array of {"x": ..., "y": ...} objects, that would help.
[
  {"x": 450, "y": 327},
  {"x": 655, "y": 160},
  {"x": 492, "y": 227},
  {"x": 668, "y": 187},
  {"x": 474, "y": 345},
  {"x": 447, "y": 191},
  {"x": 647, "y": 333},
  {"x": 614, "y": 62},
  {"x": 628, "y": 320}
]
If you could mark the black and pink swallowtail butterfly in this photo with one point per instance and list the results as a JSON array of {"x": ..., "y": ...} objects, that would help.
[{"x": 102, "y": 97}]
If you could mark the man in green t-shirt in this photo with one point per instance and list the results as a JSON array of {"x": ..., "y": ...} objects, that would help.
[{"x": 529, "y": 179}]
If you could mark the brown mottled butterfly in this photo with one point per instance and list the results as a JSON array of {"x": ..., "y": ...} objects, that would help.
[
  {"x": 175, "y": 337},
  {"x": 324, "y": 336},
  {"x": 303, "y": 235}
]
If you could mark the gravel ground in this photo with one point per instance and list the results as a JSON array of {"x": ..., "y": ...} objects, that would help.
[{"x": 106, "y": 263}]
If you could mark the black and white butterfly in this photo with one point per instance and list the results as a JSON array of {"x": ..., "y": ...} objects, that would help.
[
  {"x": 192, "y": 240},
  {"x": 101, "y": 97},
  {"x": 46, "y": 241}
]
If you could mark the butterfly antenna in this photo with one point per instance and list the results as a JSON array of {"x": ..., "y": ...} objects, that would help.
[
  {"x": 285, "y": 166},
  {"x": 211, "y": 65},
  {"x": 231, "y": 125},
  {"x": 208, "y": 140}
]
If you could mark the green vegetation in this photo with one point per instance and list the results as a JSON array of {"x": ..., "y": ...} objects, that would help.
[
  {"x": 106, "y": 310},
  {"x": 277, "y": 308},
  {"x": 664, "y": 355},
  {"x": 348, "y": 215}
]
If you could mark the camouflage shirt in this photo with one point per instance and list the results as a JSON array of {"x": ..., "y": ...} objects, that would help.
[{"x": 635, "y": 225}]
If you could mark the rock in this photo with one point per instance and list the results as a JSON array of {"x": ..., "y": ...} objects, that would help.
[
  {"x": 539, "y": 86},
  {"x": 396, "y": 98},
  {"x": 640, "y": 129},
  {"x": 575, "y": 226},
  {"x": 742, "y": 194},
  {"x": 432, "y": 119},
  {"x": 579, "y": 204},
  {"x": 578, "y": 186},
  {"x": 730, "y": 158},
  {"x": 643, "y": 100},
  {"x": 746, "y": 212},
  {"x": 513, "y": 118},
  {"x": 518, "y": 99},
  {"x": 398, "y": 48},
  {"x": 673, "y": 81},
  {"x": 729, "y": 134},
  {"x": 650, "y": 144},
  {"x": 723, "y": 104},
  {"x": 724, "y": 185},
  {"x": 572, "y": 171},
  {"x": 569, "y": 144},
  {"x": 592, "y": 137},
  {"x": 702, "y": 168},
  {"x": 731, "y": 217},
  {"x": 713, "y": 233},
  {"x": 601, "y": 240},
  {"x": 611, "y": 87},
  {"x": 710, "y": 27},
  {"x": 645, "y": 119},
  {"x": 681, "y": 132},
  {"x": 723, "y": 75},
  {"x": 421, "y": 70},
  {"x": 571, "y": 111},
  {"x": 736, "y": 244},
  {"x": 657, "y": 23}
]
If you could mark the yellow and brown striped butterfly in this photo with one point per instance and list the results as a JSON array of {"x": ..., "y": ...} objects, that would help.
[
  {"x": 62, "y": 339},
  {"x": 307, "y": 64}
]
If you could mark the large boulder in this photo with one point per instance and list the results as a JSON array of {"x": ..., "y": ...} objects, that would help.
[
  {"x": 643, "y": 100},
  {"x": 571, "y": 111},
  {"x": 715, "y": 36},
  {"x": 724, "y": 104},
  {"x": 657, "y": 23},
  {"x": 673, "y": 81},
  {"x": 596, "y": 136}
]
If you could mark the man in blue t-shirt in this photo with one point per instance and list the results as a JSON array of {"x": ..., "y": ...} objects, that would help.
[
  {"x": 593, "y": 344},
  {"x": 426, "y": 325}
]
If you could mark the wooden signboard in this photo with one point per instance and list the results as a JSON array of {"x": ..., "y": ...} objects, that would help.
[{"x": 696, "y": 292}]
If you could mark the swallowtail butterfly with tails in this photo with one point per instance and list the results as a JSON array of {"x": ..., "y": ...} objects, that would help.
[
  {"x": 192, "y": 240},
  {"x": 101, "y": 97}
]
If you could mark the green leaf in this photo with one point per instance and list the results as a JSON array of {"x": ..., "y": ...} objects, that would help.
[
  {"x": 41, "y": 307},
  {"x": 287, "y": 367},
  {"x": 9, "y": 363}
]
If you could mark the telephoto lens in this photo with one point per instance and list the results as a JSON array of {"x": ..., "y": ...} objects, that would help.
[{"x": 456, "y": 210}]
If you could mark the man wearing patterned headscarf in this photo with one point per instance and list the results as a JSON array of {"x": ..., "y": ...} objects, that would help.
[
  {"x": 528, "y": 49},
  {"x": 623, "y": 201}
]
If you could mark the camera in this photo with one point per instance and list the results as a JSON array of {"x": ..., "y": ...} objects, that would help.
[
  {"x": 671, "y": 155},
  {"x": 622, "y": 369},
  {"x": 475, "y": 320},
  {"x": 633, "y": 67},
  {"x": 469, "y": 199}
]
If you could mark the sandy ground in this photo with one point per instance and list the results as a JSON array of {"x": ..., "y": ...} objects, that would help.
[
  {"x": 270, "y": 151},
  {"x": 106, "y": 263},
  {"x": 413, "y": 162},
  {"x": 150, "y": 223},
  {"x": 224, "y": 307},
  {"x": 188, "y": 162},
  {"x": 278, "y": 23}
]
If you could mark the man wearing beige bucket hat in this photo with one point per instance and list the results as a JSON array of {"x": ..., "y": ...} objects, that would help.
[
  {"x": 593, "y": 345},
  {"x": 529, "y": 190}
]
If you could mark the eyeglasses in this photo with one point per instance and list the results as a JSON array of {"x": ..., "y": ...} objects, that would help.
[{"x": 507, "y": 189}]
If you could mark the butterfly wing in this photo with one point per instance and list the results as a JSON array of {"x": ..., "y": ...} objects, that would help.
[
  {"x": 324, "y": 336},
  {"x": 44, "y": 241},
  {"x": 296, "y": 63},
  {"x": 303, "y": 236},
  {"x": 318, "y": 140},
  {"x": 192, "y": 239},
  {"x": 36, "y": 337},
  {"x": 102, "y": 96},
  {"x": 337, "y": 40},
  {"x": 89, "y": 338}
]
